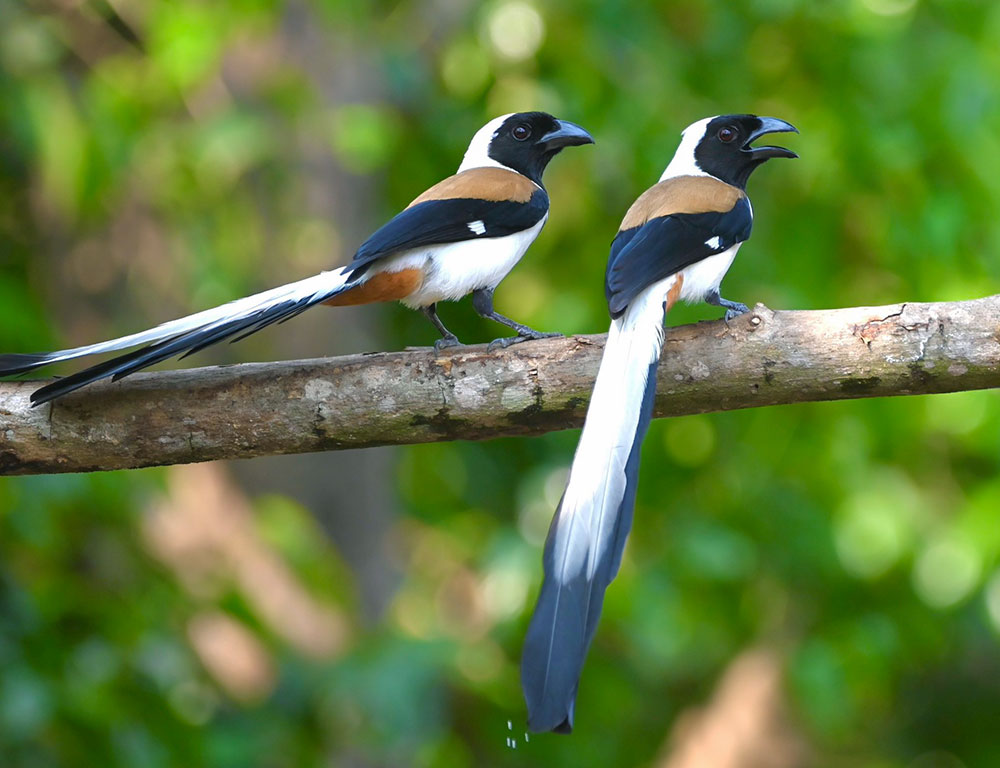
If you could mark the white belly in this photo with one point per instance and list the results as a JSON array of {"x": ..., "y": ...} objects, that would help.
[
  {"x": 457, "y": 269},
  {"x": 703, "y": 277}
]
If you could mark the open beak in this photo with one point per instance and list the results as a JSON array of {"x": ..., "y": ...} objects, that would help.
[
  {"x": 566, "y": 135},
  {"x": 769, "y": 125}
]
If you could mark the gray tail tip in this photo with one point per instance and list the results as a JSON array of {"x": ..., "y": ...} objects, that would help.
[
  {"x": 38, "y": 397},
  {"x": 547, "y": 722}
]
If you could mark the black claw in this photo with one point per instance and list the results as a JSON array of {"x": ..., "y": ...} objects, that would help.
[
  {"x": 447, "y": 341},
  {"x": 504, "y": 341},
  {"x": 733, "y": 308},
  {"x": 736, "y": 310},
  {"x": 529, "y": 333}
]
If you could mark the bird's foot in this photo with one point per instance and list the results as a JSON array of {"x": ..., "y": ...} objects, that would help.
[
  {"x": 733, "y": 308},
  {"x": 446, "y": 341},
  {"x": 523, "y": 334},
  {"x": 736, "y": 310},
  {"x": 503, "y": 342}
]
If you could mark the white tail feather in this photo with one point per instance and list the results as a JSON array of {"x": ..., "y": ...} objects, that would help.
[
  {"x": 325, "y": 282},
  {"x": 598, "y": 472},
  {"x": 585, "y": 543}
]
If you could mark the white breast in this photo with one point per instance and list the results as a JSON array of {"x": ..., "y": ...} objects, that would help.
[
  {"x": 703, "y": 277},
  {"x": 456, "y": 269}
]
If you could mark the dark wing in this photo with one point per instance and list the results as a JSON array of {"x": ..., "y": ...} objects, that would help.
[
  {"x": 435, "y": 222},
  {"x": 662, "y": 246}
]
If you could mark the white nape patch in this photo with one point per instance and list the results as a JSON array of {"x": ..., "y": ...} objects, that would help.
[
  {"x": 478, "y": 227},
  {"x": 714, "y": 242},
  {"x": 455, "y": 269},
  {"x": 683, "y": 162},
  {"x": 478, "y": 153},
  {"x": 706, "y": 275},
  {"x": 597, "y": 481}
]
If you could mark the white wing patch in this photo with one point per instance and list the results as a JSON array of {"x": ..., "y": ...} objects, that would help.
[
  {"x": 479, "y": 228},
  {"x": 712, "y": 242}
]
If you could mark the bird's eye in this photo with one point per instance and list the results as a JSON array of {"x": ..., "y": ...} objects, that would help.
[
  {"x": 521, "y": 132},
  {"x": 726, "y": 135}
]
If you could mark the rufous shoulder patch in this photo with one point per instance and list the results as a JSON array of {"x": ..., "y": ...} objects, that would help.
[
  {"x": 495, "y": 184},
  {"x": 682, "y": 194}
]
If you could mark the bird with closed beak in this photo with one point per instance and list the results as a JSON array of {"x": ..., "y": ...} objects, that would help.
[
  {"x": 676, "y": 242},
  {"x": 461, "y": 236}
]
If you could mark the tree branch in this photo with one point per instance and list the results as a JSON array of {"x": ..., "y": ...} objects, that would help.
[{"x": 762, "y": 358}]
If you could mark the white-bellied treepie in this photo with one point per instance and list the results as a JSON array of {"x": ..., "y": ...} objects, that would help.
[
  {"x": 461, "y": 236},
  {"x": 676, "y": 242}
]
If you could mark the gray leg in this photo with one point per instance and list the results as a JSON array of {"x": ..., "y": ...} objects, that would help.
[
  {"x": 448, "y": 339},
  {"x": 482, "y": 302},
  {"x": 733, "y": 308}
]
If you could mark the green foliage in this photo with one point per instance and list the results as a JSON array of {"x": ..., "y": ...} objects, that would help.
[{"x": 163, "y": 156}]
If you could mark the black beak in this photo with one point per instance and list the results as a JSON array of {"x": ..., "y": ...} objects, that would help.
[
  {"x": 769, "y": 125},
  {"x": 566, "y": 135}
]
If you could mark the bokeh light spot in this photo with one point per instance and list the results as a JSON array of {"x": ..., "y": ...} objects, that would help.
[
  {"x": 516, "y": 30},
  {"x": 889, "y": 7},
  {"x": 945, "y": 572},
  {"x": 363, "y": 136},
  {"x": 874, "y": 528},
  {"x": 958, "y": 413},
  {"x": 480, "y": 662},
  {"x": 690, "y": 441},
  {"x": 413, "y": 613},
  {"x": 536, "y": 511},
  {"x": 26, "y": 703},
  {"x": 936, "y": 759},
  {"x": 525, "y": 293},
  {"x": 195, "y": 702},
  {"x": 992, "y": 594},
  {"x": 465, "y": 68},
  {"x": 513, "y": 93},
  {"x": 504, "y": 591}
]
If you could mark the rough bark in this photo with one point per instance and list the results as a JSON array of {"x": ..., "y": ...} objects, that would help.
[{"x": 762, "y": 358}]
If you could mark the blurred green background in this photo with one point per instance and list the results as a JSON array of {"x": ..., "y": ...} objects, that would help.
[{"x": 367, "y": 609}]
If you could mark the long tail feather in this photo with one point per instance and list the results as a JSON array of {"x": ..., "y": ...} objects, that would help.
[
  {"x": 183, "y": 336},
  {"x": 584, "y": 547}
]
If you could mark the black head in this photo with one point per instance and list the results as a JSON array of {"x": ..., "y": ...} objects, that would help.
[
  {"x": 724, "y": 150},
  {"x": 524, "y": 142}
]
